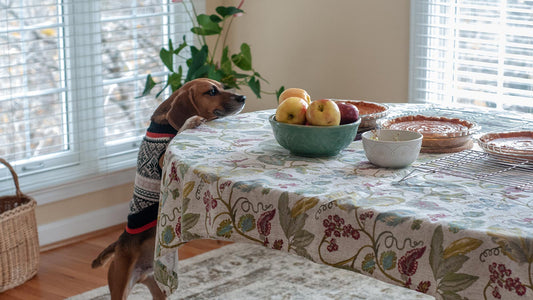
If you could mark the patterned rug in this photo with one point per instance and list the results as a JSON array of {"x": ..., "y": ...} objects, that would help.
[{"x": 245, "y": 271}]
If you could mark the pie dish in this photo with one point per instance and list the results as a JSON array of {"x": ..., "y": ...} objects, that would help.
[
  {"x": 515, "y": 143},
  {"x": 369, "y": 112},
  {"x": 440, "y": 133}
]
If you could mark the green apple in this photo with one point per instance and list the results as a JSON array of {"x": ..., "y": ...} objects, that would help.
[
  {"x": 292, "y": 110},
  {"x": 323, "y": 112}
]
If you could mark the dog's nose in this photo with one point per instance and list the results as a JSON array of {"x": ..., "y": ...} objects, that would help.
[{"x": 240, "y": 98}]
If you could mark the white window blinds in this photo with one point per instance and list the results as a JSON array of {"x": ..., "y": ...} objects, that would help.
[
  {"x": 71, "y": 73},
  {"x": 474, "y": 52}
]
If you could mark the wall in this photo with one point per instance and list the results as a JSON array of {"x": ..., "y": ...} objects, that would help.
[{"x": 353, "y": 49}]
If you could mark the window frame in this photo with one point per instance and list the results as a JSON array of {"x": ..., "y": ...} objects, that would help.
[
  {"x": 416, "y": 9},
  {"x": 105, "y": 166}
]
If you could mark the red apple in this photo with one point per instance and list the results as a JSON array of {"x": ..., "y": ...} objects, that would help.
[
  {"x": 323, "y": 112},
  {"x": 292, "y": 110},
  {"x": 349, "y": 112}
]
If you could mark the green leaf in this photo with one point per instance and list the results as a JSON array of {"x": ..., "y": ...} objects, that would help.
[
  {"x": 303, "y": 238},
  {"x": 241, "y": 75},
  {"x": 278, "y": 92},
  {"x": 284, "y": 212},
  {"x": 225, "y": 229},
  {"x": 167, "y": 58},
  {"x": 296, "y": 224},
  {"x": 456, "y": 282},
  {"x": 187, "y": 236},
  {"x": 215, "y": 18},
  {"x": 451, "y": 265},
  {"x": 185, "y": 203},
  {"x": 255, "y": 86},
  {"x": 207, "y": 26},
  {"x": 229, "y": 82},
  {"x": 202, "y": 71},
  {"x": 243, "y": 60},
  {"x": 161, "y": 91},
  {"x": 303, "y": 253},
  {"x": 519, "y": 249},
  {"x": 435, "y": 254},
  {"x": 174, "y": 79},
  {"x": 181, "y": 46},
  {"x": 451, "y": 296},
  {"x": 198, "y": 60},
  {"x": 149, "y": 85},
  {"x": 215, "y": 74},
  {"x": 175, "y": 193},
  {"x": 228, "y": 11},
  {"x": 160, "y": 272},
  {"x": 225, "y": 62},
  {"x": 256, "y": 74},
  {"x": 246, "y": 186},
  {"x": 188, "y": 221},
  {"x": 392, "y": 218},
  {"x": 271, "y": 160}
]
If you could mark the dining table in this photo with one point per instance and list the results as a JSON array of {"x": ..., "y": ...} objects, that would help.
[{"x": 438, "y": 231}]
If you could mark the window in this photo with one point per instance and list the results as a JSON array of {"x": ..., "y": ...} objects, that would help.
[
  {"x": 71, "y": 72},
  {"x": 474, "y": 52}
]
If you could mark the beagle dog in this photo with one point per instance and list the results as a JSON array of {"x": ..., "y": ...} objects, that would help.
[{"x": 132, "y": 255}]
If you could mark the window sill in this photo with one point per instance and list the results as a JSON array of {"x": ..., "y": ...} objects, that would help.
[{"x": 82, "y": 186}]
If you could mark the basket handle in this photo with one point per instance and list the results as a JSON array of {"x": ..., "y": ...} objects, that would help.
[{"x": 15, "y": 177}]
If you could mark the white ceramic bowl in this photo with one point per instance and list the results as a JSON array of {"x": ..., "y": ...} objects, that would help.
[{"x": 392, "y": 148}]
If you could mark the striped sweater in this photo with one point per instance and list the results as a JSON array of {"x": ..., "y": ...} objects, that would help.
[{"x": 145, "y": 202}]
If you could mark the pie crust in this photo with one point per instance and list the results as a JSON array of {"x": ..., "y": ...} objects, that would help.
[
  {"x": 438, "y": 132},
  {"x": 515, "y": 143},
  {"x": 369, "y": 112},
  {"x": 469, "y": 144}
]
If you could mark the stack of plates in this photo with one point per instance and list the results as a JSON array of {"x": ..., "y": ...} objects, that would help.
[
  {"x": 441, "y": 134},
  {"x": 517, "y": 144}
]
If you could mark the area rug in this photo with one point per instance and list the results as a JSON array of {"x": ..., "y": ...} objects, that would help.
[{"x": 246, "y": 271}]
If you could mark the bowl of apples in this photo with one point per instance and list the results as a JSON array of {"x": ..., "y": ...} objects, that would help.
[{"x": 319, "y": 128}]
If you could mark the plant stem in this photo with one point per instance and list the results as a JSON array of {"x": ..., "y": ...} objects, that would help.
[
  {"x": 227, "y": 32},
  {"x": 216, "y": 44},
  {"x": 201, "y": 40},
  {"x": 196, "y": 14}
]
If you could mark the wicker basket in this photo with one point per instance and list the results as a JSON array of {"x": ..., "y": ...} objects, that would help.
[{"x": 19, "y": 242}]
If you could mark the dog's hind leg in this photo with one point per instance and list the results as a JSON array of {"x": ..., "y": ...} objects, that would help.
[
  {"x": 119, "y": 277},
  {"x": 157, "y": 294}
]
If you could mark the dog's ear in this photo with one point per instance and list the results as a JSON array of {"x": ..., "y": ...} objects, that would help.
[{"x": 180, "y": 108}]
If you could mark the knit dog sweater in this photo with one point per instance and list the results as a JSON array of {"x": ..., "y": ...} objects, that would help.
[{"x": 145, "y": 202}]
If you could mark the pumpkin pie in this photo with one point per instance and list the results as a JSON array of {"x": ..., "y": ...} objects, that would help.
[
  {"x": 515, "y": 143},
  {"x": 441, "y": 134}
]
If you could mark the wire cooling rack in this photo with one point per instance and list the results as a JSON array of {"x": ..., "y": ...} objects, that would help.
[{"x": 490, "y": 167}]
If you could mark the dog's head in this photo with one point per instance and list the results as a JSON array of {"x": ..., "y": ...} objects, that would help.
[{"x": 206, "y": 98}]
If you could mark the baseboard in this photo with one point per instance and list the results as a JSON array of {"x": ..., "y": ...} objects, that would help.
[
  {"x": 82, "y": 224},
  {"x": 116, "y": 230}
]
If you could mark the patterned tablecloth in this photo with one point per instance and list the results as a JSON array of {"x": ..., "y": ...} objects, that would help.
[{"x": 438, "y": 234}]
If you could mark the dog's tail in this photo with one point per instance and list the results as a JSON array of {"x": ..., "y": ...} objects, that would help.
[{"x": 104, "y": 256}]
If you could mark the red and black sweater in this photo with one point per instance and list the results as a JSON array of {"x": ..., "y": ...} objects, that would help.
[{"x": 145, "y": 202}]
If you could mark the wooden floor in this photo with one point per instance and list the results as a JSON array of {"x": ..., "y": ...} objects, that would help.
[{"x": 66, "y": 270}]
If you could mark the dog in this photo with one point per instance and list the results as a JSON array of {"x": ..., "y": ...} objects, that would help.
[{"x": 132, "y": 255}]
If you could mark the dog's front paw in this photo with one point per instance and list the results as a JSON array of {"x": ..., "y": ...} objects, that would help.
[{"x": 192, "y": 122}]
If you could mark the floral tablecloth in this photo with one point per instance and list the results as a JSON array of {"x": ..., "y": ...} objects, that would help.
[{"x": 442, "y": 235}]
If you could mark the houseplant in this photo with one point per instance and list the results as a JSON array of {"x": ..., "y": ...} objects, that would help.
[{"x": 231, "y": 69}]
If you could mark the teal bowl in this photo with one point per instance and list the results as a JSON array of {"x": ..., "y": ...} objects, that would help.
[{"x": 314, "y": 141}]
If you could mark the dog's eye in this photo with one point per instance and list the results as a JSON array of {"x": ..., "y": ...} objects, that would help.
[{"x": 213, "y": 92}]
